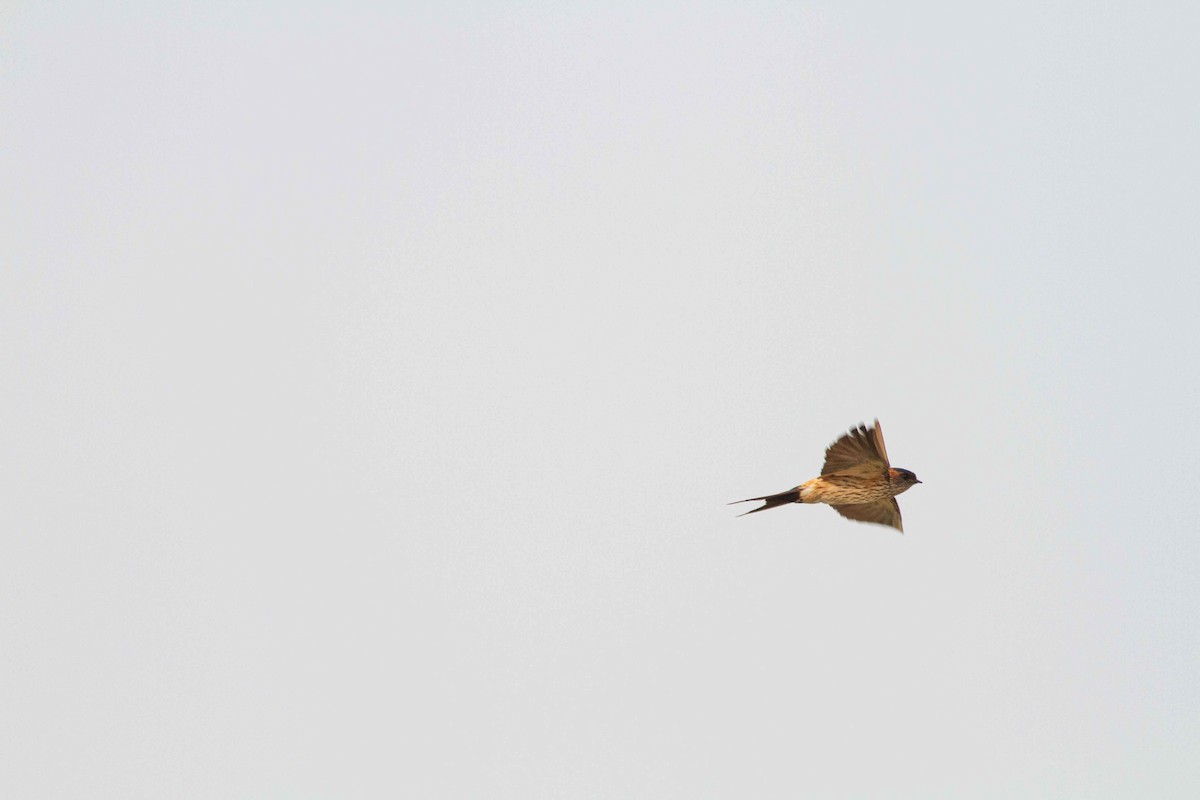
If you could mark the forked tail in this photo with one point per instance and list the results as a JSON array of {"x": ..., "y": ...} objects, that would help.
[{"x": 772, "y": 500}]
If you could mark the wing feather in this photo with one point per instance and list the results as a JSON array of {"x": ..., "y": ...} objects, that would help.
[
  {"x": 880, "y": 512},
  {"x": 861, "y": 446}
]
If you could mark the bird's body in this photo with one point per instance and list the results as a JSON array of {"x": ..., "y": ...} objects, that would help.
[
  {"x": 857, "y": 481},
  {"x": 837, "y": 489}
]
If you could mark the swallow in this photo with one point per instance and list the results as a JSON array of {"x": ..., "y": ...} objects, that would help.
[{"x": 857, "y": 480}]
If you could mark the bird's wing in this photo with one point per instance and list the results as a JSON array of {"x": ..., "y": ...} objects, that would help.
[
  {"x": 882, "y": 512},
  {"x": 861, "y": 446}
]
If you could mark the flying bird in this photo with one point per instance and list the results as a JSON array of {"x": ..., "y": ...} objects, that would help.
[{"x": 857, "y": 481}]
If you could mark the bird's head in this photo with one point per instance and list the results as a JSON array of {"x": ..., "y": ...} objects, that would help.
[{"x": 903, "y": 477}]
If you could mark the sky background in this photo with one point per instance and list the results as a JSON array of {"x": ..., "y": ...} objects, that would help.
[{"x": 376, "y": 377}]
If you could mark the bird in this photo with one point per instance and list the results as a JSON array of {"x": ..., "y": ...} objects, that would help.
[{"x": 857, "y": 480}]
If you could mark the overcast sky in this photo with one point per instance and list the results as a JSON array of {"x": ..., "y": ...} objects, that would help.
[{"x": 375, "y": 378}]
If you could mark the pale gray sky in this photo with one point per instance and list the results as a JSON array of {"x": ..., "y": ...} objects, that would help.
[{"x": 375, "y": 379}]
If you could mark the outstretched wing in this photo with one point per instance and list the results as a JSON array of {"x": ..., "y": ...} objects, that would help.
[
  {"x": 881, "y": 512},
  {"x": 861, "y": 448}
]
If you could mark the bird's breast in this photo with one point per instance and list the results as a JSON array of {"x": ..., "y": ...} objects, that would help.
[{"x": 851, "y": 489}]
